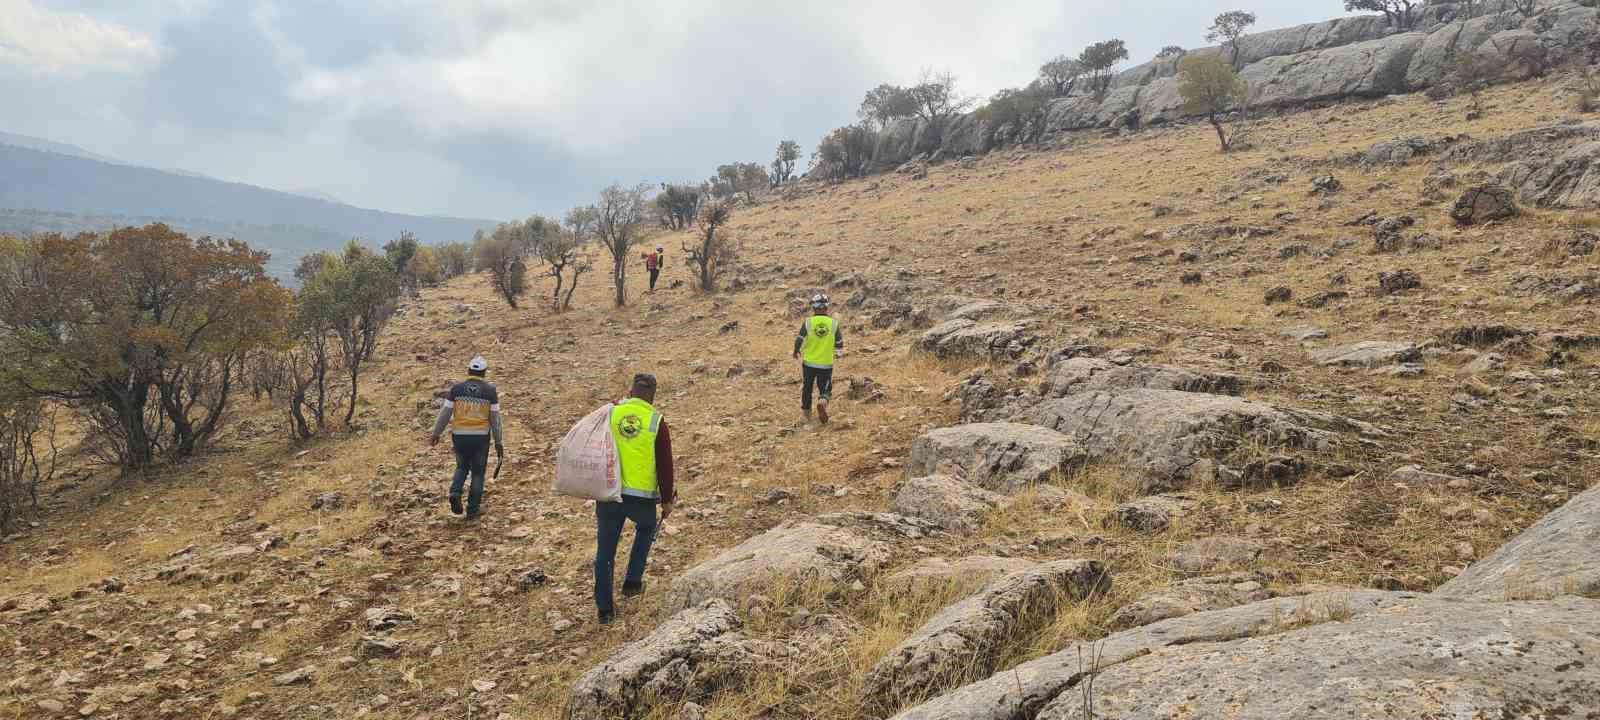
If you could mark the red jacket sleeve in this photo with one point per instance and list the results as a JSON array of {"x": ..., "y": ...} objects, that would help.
[{"x": 665, "y": 474}]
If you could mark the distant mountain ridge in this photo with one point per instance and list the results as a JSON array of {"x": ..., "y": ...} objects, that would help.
[
  {"x": 45, "y": 180},
  {"x": 43, "y": 145}
]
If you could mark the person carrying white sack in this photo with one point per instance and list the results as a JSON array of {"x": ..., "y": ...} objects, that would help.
[{"x": 644, "y": 453}]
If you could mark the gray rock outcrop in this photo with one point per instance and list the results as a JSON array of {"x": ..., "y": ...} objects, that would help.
[
  {"x": 1192, "y": 596},
  {"x": 1023, "y": 691},
  {"x": 1078, "y": 375},
  {"x": 1001, "y": 457},
  {"x": 1209, "y": 554},
  {"x": 953, "y": 504},
  {"x": 965, "y": 339},
  {"x": 1368, "y": 353},
  {"x": 960, "y": 642},
  {"x": 1170, "y": 438},
  {"x": 804, "y": 551},
  {"x": 929, "y": 574},
  {"x": 1559, "y": 555}
]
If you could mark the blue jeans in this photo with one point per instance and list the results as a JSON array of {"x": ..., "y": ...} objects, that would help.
[
  {"x": 472, "y": 457},
  {"x": 609, "y": 519}
]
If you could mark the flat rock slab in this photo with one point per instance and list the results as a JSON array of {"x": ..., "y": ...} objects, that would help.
[
  {"x": 1002, "y": 457},
  {"x": 961, "y": 641},
  {"x": 1560, "y": 554},
  {"x": 1209, "y": 554},
  {"x": 1422, "y": 660},
  {"x": 806, "y": 551},
  {"x": 976, "y": 310},
  {"x": 1171, "y": 438},
  {"x": 1188, "y": 597},
  {"x": 1368, "y": 354},
  {"x": 929, "y": 574},
  {"x": 1078, "y": 375},
  {"x": 684, "y": 657},
  {"x": 966, "y": 339},
  {"x": 953, "y": 504},
  {"x": 1304, "y": 333},
  {"x": 1022, "y": 691}
]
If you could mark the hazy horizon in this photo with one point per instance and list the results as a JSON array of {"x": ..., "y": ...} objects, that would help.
[{"x": 496, "y": 109}]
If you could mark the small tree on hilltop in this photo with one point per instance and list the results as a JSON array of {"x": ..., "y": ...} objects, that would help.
[
  {"x": 936, "y": 100},
  {"x": 619, "y": 220},
  {"x": 1228, "y": 28},
  {"x": 885, "y": 104},
  {"x": 562, "y": 252},
  {"x": 739, "y": 179},
  {"x": 1023, "y": 111},
  {"x": 1171, "y": 51},
  {"x": 1210, "y": 86},
  {"x": 1098, "y": 60},
  {"x": 1061, "y": 75},
  {"x": 676, "y": 206},
  {"x": 844, "y": 153},
  {"x": 713, "y": 250},
  {"x": 400, "y": 252},
  {"x": 1401, "y": 13},
  {"x": 783, "y": 164}
]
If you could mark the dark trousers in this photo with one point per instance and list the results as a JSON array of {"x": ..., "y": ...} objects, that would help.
[
  {"x": 654, "y": 275},
  {"x": 820, "y": 379},
  {"x": 472, "y": 456},
  {"x": 609, "y": 519}
]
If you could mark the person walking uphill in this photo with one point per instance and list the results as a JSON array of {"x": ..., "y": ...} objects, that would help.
[
  {"x": 644, "y": 448},
  {"x": 819, "y": 343},
  {"x": 472, "y": 411},
  {"x": 652, "y": 263}
]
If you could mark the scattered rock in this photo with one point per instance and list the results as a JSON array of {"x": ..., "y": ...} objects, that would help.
[
  {"x": 973, "y": 341},
  {"x": 1398, "y": 281},
  {"x": 1484, "y": 203},
  {"x": 1150, "y": 514},
  {"x": 328, "y": 502},
  {"x": 1323, "y": 299},
  {"x": 1325, "y": 185},
  {"x": 1278, "y": 294},
  {"x": 1415, "y": 476},
  {"x": 1304, "y": 333},
  {"x": 299, "y": 676}
]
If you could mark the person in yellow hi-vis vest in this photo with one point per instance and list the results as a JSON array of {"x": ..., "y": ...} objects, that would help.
[
  {"x": 644, "y": 448},
  {"x": 818, "y": 345}
]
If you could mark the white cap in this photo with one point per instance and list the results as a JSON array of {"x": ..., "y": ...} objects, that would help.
[{"x": 478, "y": 364}]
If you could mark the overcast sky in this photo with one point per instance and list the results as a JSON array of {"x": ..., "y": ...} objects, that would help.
[{"x": 502, "y": 108}]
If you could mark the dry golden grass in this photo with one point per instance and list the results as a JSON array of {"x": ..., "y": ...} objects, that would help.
[{"x": 1055, "y": 232}]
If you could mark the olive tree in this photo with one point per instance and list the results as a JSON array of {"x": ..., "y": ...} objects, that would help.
[
  {"x": 783, "y": 164},
  {"x": 1227, "y": 28},
  {"x": 713, "y": 249},
  {"x": 1061, "y": 75},
  {"x": 1098, "y": 61},
  {"x": 1401, "y": 13},
  {"x": 1211, "y": 87},
  {"x": 619, "y": 226}
]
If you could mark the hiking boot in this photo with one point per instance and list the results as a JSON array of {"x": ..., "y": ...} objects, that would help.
[
  {"x": 455, "y": 504},
  {"x": 607, "y": 617},
  {"x": 472, "y": 516},
  {"x": 822, "y": 412},
  {"x": 629, "y": 591}
]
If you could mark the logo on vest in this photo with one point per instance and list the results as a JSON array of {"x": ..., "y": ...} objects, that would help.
[
  {"x": 630, "y": 426},
  {"x": 820, "y": 330}
]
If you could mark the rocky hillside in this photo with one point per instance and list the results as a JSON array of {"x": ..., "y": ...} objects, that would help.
[
  {"x": 1128, "y": 429},
  {"x": 1291, "y": 68}
]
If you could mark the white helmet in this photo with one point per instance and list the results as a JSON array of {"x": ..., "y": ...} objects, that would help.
[
  {"x": 478, "y": 365},
  {"x": 820, "y": 300}
]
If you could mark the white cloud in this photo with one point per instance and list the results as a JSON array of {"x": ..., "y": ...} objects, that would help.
[{"x": 48, "y": 41}]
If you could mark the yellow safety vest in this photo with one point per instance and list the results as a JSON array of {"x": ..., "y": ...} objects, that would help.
[
  {"x": 634, "y": 424},
  {"x": 822, "y": 341}
]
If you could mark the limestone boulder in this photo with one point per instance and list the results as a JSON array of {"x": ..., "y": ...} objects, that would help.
[
  {"x": 1150, "y": 514},
  {"x": 1366, "y": 69},
  {"x": 955, "y": 505},
  {"x": 808, "y": 551},
  {"x": 1368, "y": 353},
  {"x": 1083, "y": 374},
  {"x": 966, "y": 339},
  {"x": 1000, "y": 457},
  {"x": 1560, "y": 554},
  {"x": 1170, "y": 438},
  {"x": 1192, "y": 596},
  {"x": 961, "y": 641},
  {"x": 1427, "y": 659},
  {"x": 1486, "y": 203},
  {"x": 691, "y": 654},
  {"x": 1570, "y": 180},
  {"x": 1025, "y": 690}
]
